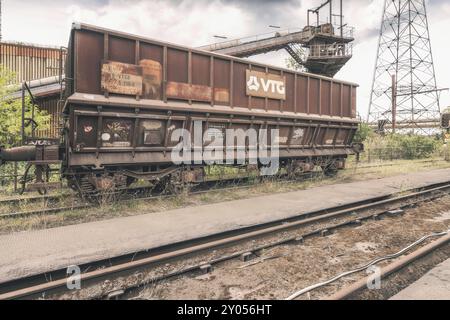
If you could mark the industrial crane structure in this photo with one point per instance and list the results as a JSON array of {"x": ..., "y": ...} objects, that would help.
[{"x": 320, "y": 47}]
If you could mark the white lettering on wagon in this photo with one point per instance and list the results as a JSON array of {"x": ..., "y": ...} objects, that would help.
[{"x": 266, "y": 85}]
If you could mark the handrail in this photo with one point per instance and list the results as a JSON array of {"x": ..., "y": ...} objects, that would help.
[
  {"x": 329, "y": 50},
  {"x": 347, "y": 33}
]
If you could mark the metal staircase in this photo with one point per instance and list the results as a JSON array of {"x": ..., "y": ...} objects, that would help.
[{"x": 321, "y": 48}]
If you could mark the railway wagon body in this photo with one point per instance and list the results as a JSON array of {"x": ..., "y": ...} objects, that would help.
[{"x": 126, "y": 95}]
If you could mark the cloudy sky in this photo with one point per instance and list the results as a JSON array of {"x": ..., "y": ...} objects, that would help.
[{"x": 195, "y": 22}]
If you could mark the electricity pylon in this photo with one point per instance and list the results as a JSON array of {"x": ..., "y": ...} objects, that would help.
[{"x": 404, "y": 95}]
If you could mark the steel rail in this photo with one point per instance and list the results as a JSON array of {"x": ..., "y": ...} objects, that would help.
[
  {"x": 299, "y": 293},
  {"x": 392, "y": 268},
  {"x": 297, "y": 239},
  {"x": 30, "y": 199},
  {"x": 12, "y": 201},
  {"x": 44, "y": 211},
  {"x": 123, "y": 197},
  {"x": 224, "y": 239}
]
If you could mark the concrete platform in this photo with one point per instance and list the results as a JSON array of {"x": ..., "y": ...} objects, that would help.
[
  {"x": 32, "y": 252},
  {"x": 434, "y": 285}
]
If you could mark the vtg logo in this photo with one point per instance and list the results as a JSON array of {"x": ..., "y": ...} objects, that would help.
[
  {"x": 269, "y": 86},
  {"x": 265, "y": 85}
]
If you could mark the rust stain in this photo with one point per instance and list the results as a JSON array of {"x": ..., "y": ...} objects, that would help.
[
  {"x": 152, "y": 78},
  {"x": 222, "y": 95},
  {"x": 122, "y": 78},
  {"x": 188, "y": 92}
]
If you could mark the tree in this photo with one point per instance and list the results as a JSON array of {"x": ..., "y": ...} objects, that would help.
[
  {"x": 11, "y": 112},
  {"x": 364, "y": 132}
]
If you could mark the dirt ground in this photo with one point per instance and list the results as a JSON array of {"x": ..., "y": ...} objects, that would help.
[
  {"x": 299, "y": 266},
  {"x": 278, "y": 272},
  {"x": 293, "y": 267}
]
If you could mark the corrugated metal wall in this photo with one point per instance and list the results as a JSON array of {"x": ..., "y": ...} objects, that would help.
[
  {"x": 30, "y": 62},
  {"x": 50, "y": 104},
  {"x": 194, "y": 76}
]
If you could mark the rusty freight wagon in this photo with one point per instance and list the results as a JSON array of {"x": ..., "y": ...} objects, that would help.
[{"x": 126, "y": 95}]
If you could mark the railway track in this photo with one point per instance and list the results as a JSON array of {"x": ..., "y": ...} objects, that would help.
[
  {"x": 358, "y": 288},
  {"x": 142, "y": 194},
  {"x": 17, "y": 200},
  {"x": 355, "y": 214}
]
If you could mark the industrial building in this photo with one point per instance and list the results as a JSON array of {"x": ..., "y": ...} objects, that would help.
[{"x": 41, "y": 67}]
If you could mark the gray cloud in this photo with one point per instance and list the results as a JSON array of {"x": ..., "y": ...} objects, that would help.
[{"x": 194, "y": 22}]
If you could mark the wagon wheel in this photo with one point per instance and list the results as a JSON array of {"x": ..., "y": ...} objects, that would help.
[
  {"x": 329, "y": 168},
  {"x": 174, "y": 184},
  {"x": 84, "y": 187},
  {"x": 25, "y": 178},
  {"x": 293, "y": 171},
  {"x": 176, "y": 188},
  {"x": 42, "y": 176}
]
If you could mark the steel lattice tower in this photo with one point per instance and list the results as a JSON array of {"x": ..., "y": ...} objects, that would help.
[{"x": 404, "y": 91}]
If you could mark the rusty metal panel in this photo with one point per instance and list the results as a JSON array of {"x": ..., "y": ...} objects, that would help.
[
  {"x": 342, "y": 136},
  {"x": 152, "y": 78},
  {"x": 222, "y": 96},
  {"x": 284, "y": 134},
  {"x": 121, "y": 50},
  {"x": 275, "y": 104},
  {"x": 201, "y": 69},
  {"x": 325, "y": 98},
  {"x": 290, "y": 93},
  {"x": 31, "y": 62},
  {"x": 353, "y": 102},
  {"x": 222, "y": 73},
  {"x": 122, "y": 78},
  {"x": 221, "y": 79},
  {"x": 175, "y": 72},
  {"x": 336, "y": 100},
  {"x": 152, "y": 66},
  {"x": 151, "y": 51},
  {"x": 302, "y": 94},
  {"x": 240, "y": 98},
  {"x": 177, "y": 65},
  {"x": 259, "y": 103},
  {"x": 329, "y": 137},
  {"x": 314, "y": 95},
  {"x": 89, "y": 52},
  {"x": 320, "y": 137},
  {"x": 347, "y": 103},
  {"x": 186, "y": 91}
]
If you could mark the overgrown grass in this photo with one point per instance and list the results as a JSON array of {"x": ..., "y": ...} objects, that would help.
[{"x": 399, "y": 146}]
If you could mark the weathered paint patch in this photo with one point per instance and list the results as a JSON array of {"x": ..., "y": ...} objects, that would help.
[
  {"x": 188, "y": 91},
  {"x": 152, "y": 78},
  {"x": 222, "y": 95},
  {"x": 122, "y": 78}
]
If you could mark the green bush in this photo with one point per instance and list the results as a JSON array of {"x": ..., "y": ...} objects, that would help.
[
  {"x": 398, "y": 146},
  {"x": 11, "y": 112},
  {"x": 364, "y": 132}
]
